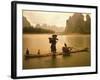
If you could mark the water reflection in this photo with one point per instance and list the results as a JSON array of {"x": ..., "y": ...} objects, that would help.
[
  {"x": 36, "y": 42},
  {"x": 78, "y": 42},
  {"x": 53, "y": 61}
]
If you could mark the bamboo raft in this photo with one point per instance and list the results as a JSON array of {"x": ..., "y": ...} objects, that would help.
[{"x": 56, "y": 54}]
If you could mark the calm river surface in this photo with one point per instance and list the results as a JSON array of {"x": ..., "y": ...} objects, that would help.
[{"x": 34, "y": 42}]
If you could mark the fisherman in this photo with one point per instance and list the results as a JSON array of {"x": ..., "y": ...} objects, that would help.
[
  {"x": 27, "y": 51},
  {"x": 53, "y": 42},
  {"x": 66, "y": 50}
]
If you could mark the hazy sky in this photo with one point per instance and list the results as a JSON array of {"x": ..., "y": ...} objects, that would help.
[{"x": 50, "y": 18}]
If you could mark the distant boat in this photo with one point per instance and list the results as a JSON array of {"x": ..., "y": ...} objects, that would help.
[{"x": 50, "y": 54}]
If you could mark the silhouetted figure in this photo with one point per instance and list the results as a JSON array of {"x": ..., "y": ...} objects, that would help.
[
  {"x": 27, "y": 52},
  {"x": 66, "y": 50},
  {"x": 53, "y": 42},
  {"x": 38, "y": 52}
]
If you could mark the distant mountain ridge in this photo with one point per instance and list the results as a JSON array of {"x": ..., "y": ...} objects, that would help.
[
  {"x": 26, "y": 23},
  {"x": 27, "y": 28},
  {"x": 77, "y": 24}
]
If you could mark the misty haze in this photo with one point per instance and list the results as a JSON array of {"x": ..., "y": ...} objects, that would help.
[{"x": 71, "y": 29}]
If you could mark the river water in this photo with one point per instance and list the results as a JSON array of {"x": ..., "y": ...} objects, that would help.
[{"x": 35, "y": 42}]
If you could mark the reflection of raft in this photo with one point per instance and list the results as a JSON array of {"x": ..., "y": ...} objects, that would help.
[{"x": 50, "y": 54}]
